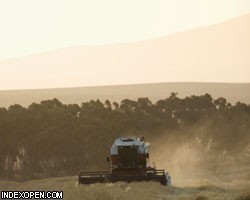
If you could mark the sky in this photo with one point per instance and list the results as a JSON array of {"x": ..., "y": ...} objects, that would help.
[{"x": 29, "y": 27}]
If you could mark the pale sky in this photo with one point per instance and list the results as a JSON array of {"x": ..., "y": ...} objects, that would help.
[{"x": 28, "y": 27}]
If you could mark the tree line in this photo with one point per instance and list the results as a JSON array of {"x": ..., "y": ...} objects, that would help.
[{"x": 54, "y": 139}]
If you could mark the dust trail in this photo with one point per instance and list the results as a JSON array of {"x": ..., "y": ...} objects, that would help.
[{"x": 191, "y": 160}]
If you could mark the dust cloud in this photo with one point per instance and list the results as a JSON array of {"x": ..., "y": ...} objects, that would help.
[{"x": 192, "y": 161}]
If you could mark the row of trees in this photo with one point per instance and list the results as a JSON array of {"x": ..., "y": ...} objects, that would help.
[{"x": 51, "y": 138}]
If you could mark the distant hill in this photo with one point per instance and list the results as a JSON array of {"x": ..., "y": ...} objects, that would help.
[
  {"x": 233, "y": 92},
  {"x": 215, "y": 53}
]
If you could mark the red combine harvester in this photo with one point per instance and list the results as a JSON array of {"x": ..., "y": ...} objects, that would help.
[{"x": 129, "y": 162}]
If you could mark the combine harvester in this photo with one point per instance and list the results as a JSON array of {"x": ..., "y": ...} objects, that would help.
[{"x": 129, "y": 162}]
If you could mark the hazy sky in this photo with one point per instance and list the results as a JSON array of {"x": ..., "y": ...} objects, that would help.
[{"x": 32, "y": 26}]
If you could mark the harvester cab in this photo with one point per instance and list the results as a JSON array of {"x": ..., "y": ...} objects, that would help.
[
  {"x": 128, "y": 154},
  {"x": 128, "y": 161}
]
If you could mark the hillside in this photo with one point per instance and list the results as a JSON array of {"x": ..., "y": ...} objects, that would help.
[
  {"x": 233, "y": 92},
  {"x": 215, "y": 53}
]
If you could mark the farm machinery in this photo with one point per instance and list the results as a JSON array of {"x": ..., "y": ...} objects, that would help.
[{"x": 128, "y": 162}]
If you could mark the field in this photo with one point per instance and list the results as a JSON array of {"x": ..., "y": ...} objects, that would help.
[
  {"x": 229, "y": 180},
  {"x": 236, "y": 190}
]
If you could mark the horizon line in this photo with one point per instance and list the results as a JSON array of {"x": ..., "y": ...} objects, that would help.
[{"x": 119, "y": 85}]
